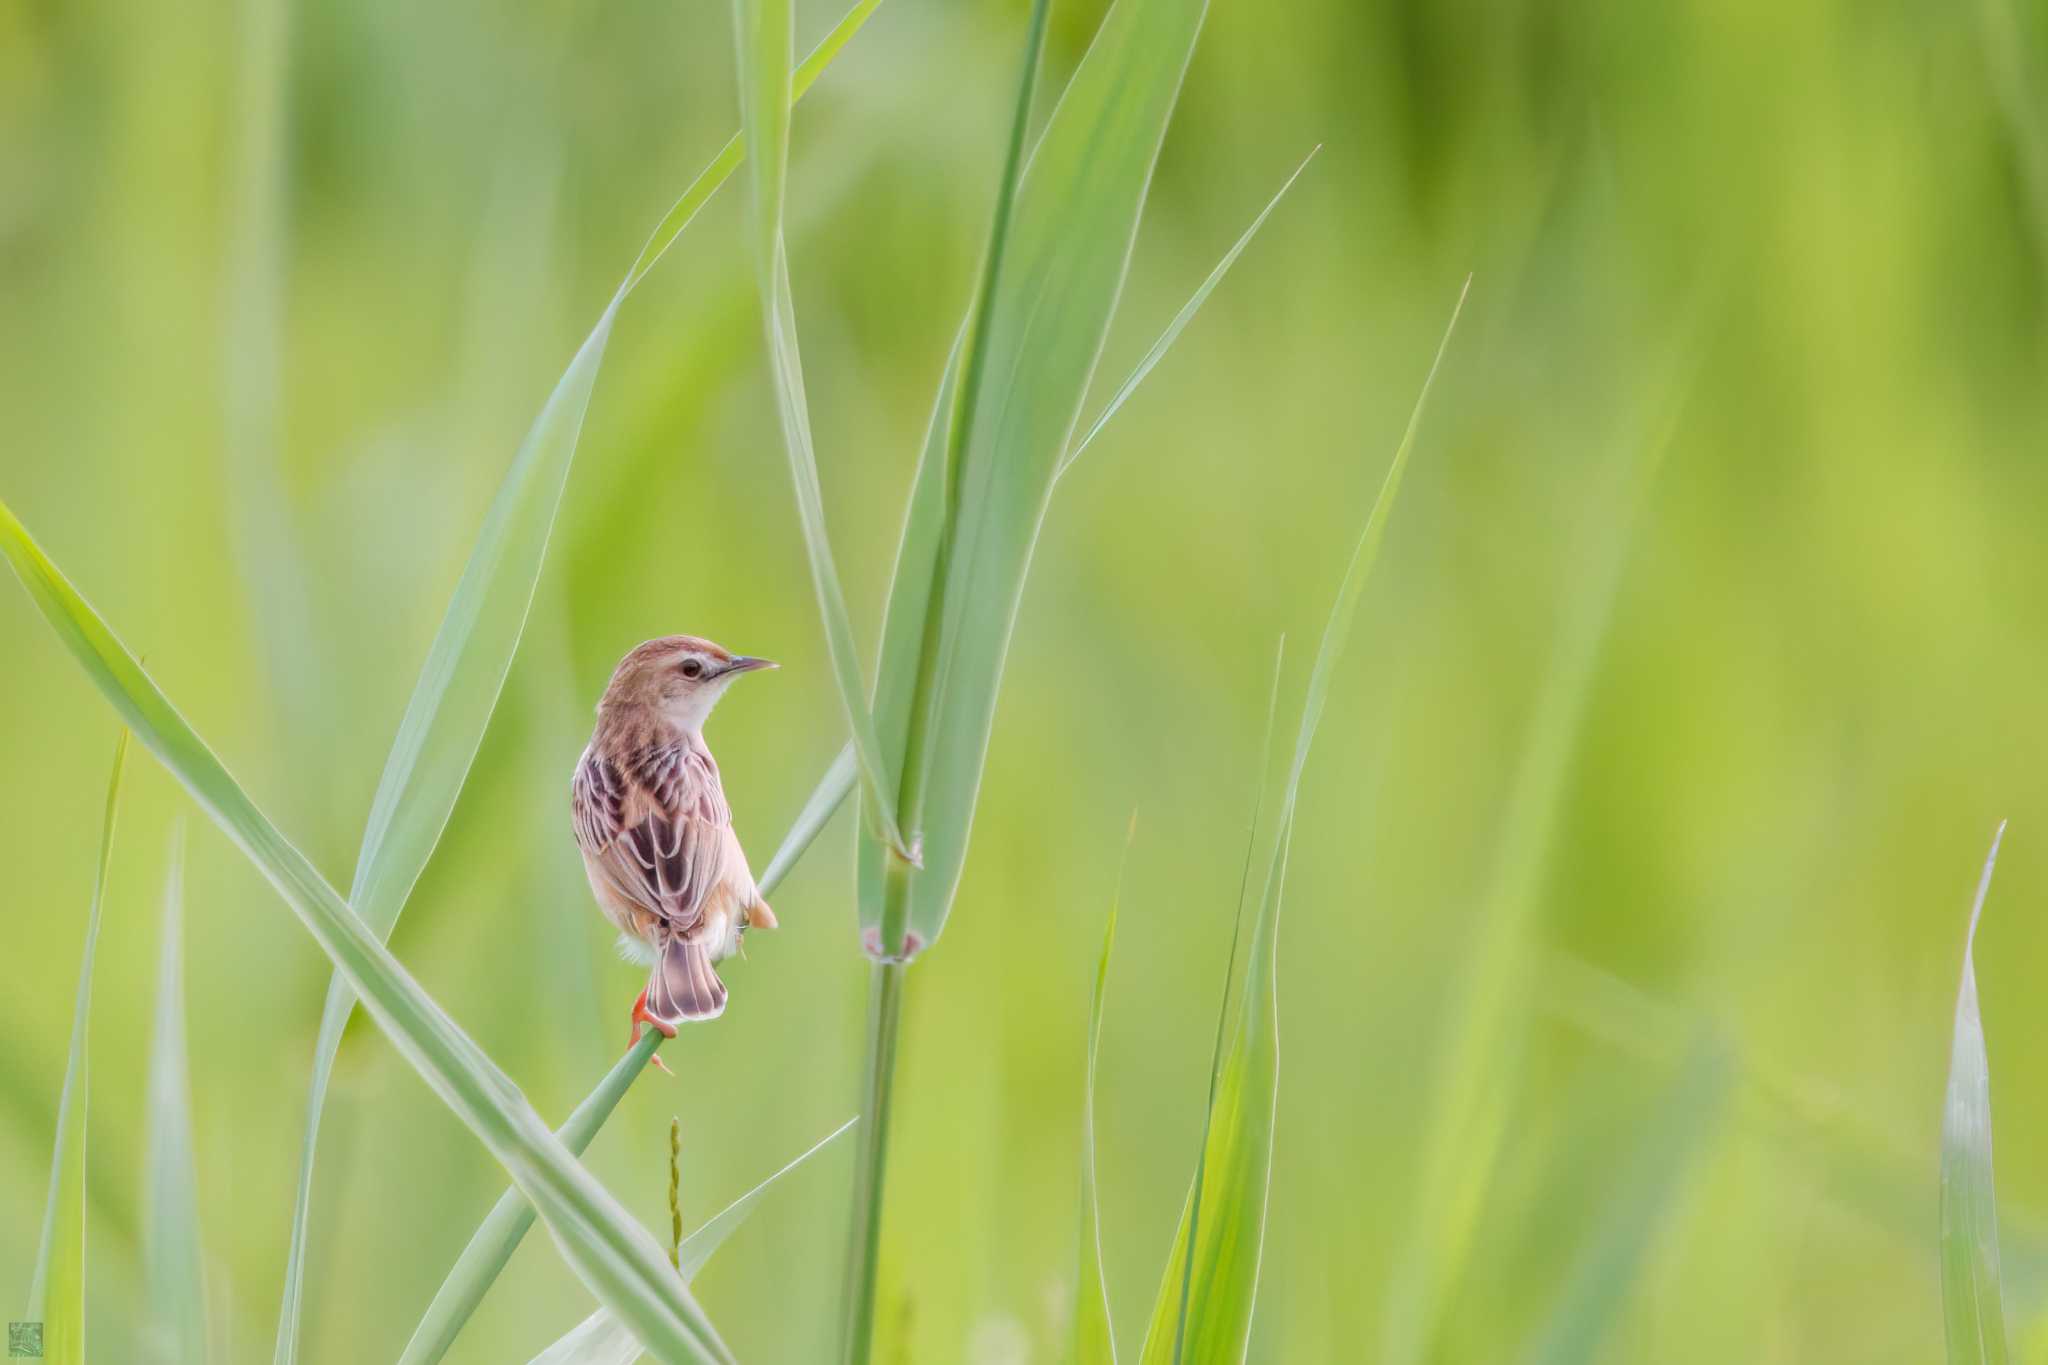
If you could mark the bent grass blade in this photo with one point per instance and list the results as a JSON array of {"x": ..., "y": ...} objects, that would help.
[{"x": 606, "y": 1248}]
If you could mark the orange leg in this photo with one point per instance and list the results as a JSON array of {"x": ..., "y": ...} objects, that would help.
[{"x": 641, "y": 1016}]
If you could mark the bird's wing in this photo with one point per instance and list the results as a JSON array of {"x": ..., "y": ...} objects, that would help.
[{"x": 654, "y": 826}]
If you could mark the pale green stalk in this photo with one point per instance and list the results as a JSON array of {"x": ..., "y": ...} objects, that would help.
[
  {"x": 864, "y": 1235},
  {"x": 878, "y": 1084}
]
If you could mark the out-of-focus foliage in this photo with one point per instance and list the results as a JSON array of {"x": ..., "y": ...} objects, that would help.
[{"x": 1816, "y": 694}]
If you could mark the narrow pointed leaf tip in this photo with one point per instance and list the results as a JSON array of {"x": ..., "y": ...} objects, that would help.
[
  {"x": 1067, "y": 246},
  {"x": 1181, "y": 1266},
  {"x": 1972, "y": 1284},
  {"x": 1094, "y": 1340},
  {"x": 1157, "y": 352},
  {"x": 56, "y": 1296},
  {"x": 601, "y": 1339},
  {"x": 1204, "y": 1308}
]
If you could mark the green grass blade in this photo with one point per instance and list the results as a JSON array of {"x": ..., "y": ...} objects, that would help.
[
  {"x": 443, "y": 726},
  {"x": 701, "y": 1245},
  {"x": 1094, "y": 1338},
  {"x": 910, "y": 602},
  {"x": 832, "y": 789},
  {"x": 56, "y": 1296},
  {"x": 1069, "y": 243},
  {"x": 1363, "y": 556},
  {"x": 610, "y": 1252},
  {"x": 465, "y": 671},
  {"x": 1466, "y": 1118},
  {"x": 763, "y": 44},
  {"x": 734, "y": 152},
  {"x": 1972, "y": 1288},
  {"x": 928, "y": 683},
  {"x": 173, "y": 1255},
  {"x": 1181, "y": 1265},
  {"x": 600, "y": 1339},
  {"x": 498, "y": 1236},
  {"x": 490, "y": 1248},
  {"x": 1186, "y": 315},
  {"x": 1605, "y": 1274},
  {"x": 1204, "y": 1310}
]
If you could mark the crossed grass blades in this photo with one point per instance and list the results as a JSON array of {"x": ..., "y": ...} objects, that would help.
[{"x": 437, "y": 740}]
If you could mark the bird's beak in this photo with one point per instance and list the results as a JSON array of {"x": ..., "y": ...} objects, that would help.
[{"x": 747, "y": 663}]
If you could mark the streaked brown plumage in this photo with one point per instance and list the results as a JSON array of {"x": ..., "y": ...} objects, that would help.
[{"x": 656, "y": 834}]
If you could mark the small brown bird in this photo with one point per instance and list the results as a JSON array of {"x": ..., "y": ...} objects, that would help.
[{"x": 655, "y": 831}]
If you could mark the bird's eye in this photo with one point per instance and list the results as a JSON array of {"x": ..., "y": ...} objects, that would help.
[{"x": 693, "y": 668}]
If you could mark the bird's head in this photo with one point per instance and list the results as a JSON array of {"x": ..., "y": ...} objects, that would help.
[{"x": 678, "y": 677}]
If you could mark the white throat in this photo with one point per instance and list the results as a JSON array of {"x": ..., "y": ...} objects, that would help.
[{"x": 688, "y": 714}]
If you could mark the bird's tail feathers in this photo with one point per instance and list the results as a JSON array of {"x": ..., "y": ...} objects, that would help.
[{"x": 682, "y": 985}]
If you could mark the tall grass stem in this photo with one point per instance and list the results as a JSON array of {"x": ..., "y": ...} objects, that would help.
[{"x": 885, "y": 1012}]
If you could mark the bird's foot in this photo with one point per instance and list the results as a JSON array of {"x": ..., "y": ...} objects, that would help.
[{"x": 641, "y": 1016}]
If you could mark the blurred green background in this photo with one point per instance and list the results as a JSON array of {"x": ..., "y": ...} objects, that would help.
[{"x": 280, "y": 292}]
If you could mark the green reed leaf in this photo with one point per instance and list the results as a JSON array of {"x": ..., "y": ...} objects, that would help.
[
  {"x": 601, "y": 1339},
  {"x": 762, "y": 42},
  {"x": 1094, "y": 1340},
  {"x": 832, "y": 789},
  {"x": 609, "y": 1251},
  {"x": 701, "y": 1245},
  {"x": 173, "y": 1254},
  {"x": 1972, "y": 1285},
  {"x": 1204, "y": 1309},
  {"x": 491, "y": 1246},
  {"x": 1180, "y": 1269},
  {"x": 933, "y": 659},
  {"x": 1157, "y": 351},
  {"x": 439, "y": 735},
  {"x": 1068, "y": 243},
  {"x": 56, "y": 1296}
]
